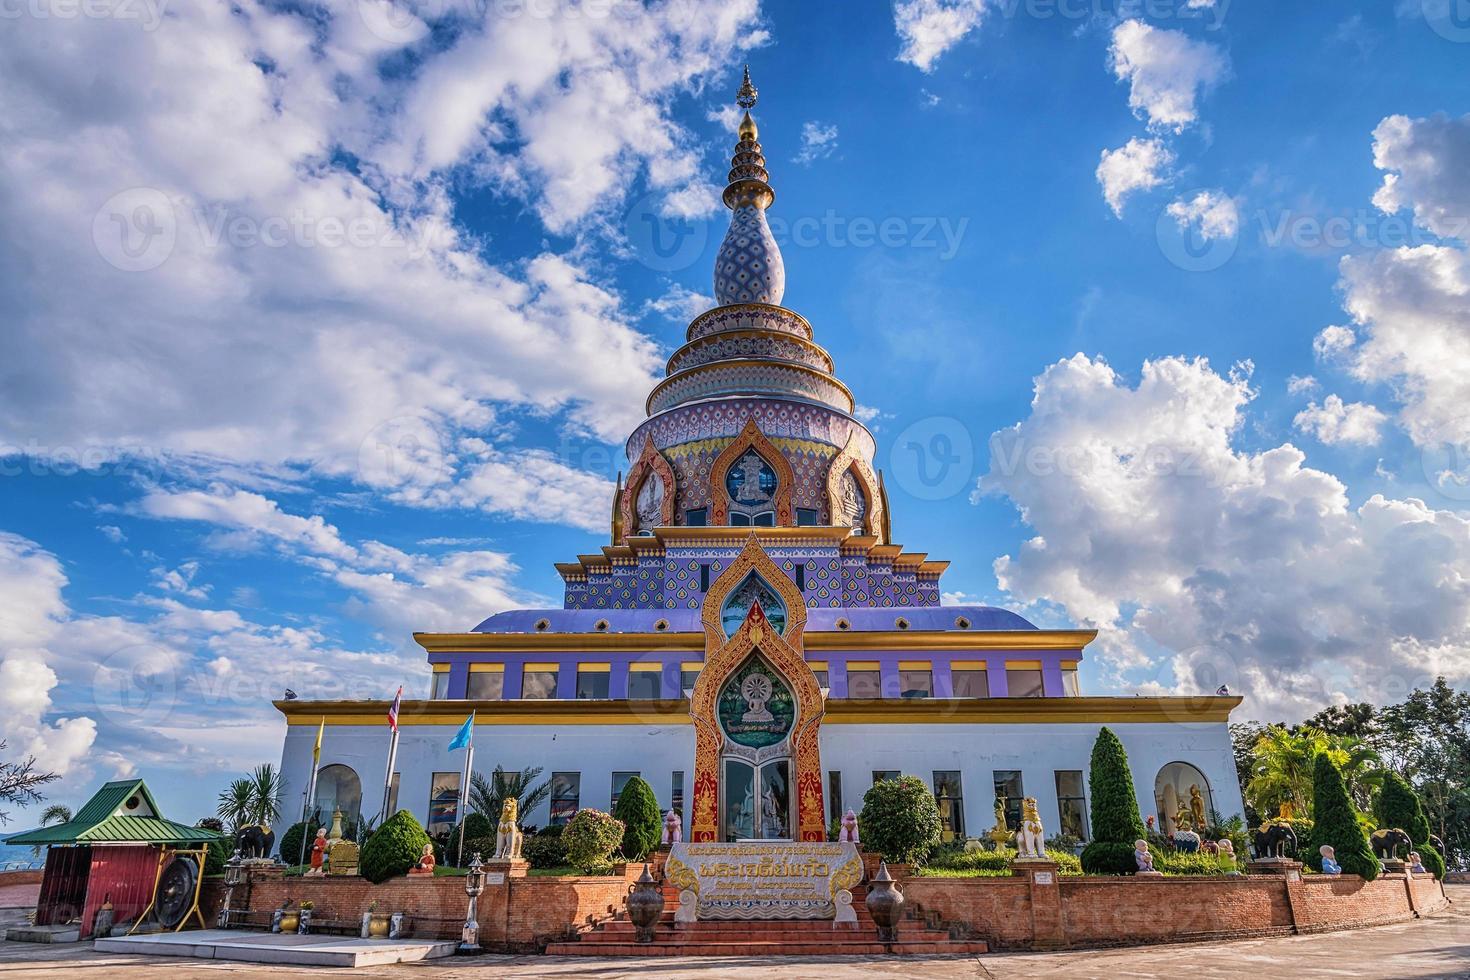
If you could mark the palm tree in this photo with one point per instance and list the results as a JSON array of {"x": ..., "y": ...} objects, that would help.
[
  {"x": 1362, "y": 770},
  {"x": 488, "y": 796},
  {"x": 55, "y": 813},
  {"x": 1281, "y": 768},
  {"x": 236, "y": 804},
  {"x": 265, "y": 794}
]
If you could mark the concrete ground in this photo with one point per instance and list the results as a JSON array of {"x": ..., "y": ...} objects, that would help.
[{"x": 1436, "y": 947}]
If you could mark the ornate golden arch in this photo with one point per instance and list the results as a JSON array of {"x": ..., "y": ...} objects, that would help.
[
  {"x": 722, "y": 658},
  {"x": 851, "y": 459},
  {"x": 651, "y": 464},
  {"x": 751, "y": 437}
]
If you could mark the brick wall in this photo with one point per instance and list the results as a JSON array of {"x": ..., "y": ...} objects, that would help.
[
  {"x": 28, "y": 877},
  {"x": 1097, "y": 911}
]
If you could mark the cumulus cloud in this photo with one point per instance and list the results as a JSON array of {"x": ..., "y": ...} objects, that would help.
[
  {"x": 1301, "y": 384},
  {"x": 1335, "y": 422},
  {"x": 1426, "y": 161},
  {"x": 1247, "y": 567},
  {"x": 681, "y": 304},
  {"x": 1167, "y": 72},
  {"x": 818, "y": 141},
  {"x": 1139, "y": 165},
  {"x": 928, "y": 28},
  {"x": 1212, "y": 213}
]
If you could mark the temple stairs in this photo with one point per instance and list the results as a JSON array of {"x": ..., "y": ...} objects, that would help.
[{"x": 917, "y": 933}]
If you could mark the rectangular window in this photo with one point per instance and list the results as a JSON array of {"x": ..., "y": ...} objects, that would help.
[
  {"x": 619, "y": 780},
  {"x": 538, "y": 681},
  {"x": 949, "y": 794},
  {"x": 439, "y": 689},
  {"x": 566, "y": 791},
  {"x": 881, "y": 774},
  {"x": 1008, "y": 785},
  {"x": 1024, "y": 682},
  {"x": 819, "y": 670},
  {"x": 688, "y": 674},
  {"x": 834, "y": 796},
  {"x": 592, "y": 681},
  {"x": 916, "y": 683},
  {"x": 676, "y": 799},
  {"x": 970, "y": 683},
  {"x": 807, "y": 517},
  {"x": 865, "y": 682},
  {"x": 1071, "y": 803},
  {"x": 696, "y": 517},
  {"x": 486, "y": 685},
  {"x": 645, "y": 681},
  {"x": 1070, "y": 687},
  {"x": 443, "y": 803}
]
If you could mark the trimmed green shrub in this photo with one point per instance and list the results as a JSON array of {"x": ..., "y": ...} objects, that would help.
[
  {"x": 545, "y": 850},
  {"x": 637, "y": 808},
  {"x": 476, "y": 825},
  {"x": 290, "y": 844},
  {"x": 393, "y": 849},
  {"x": 1335, "y": 822},
  {"x": 1180, "y": 863},
  {"x": 1115, "y": 820},
  {"x": 483, "y": 846},
  {"x": 590, "y": 838},
  {"x": 900, "y": 820},
  {"x": 998, "y": 862},
  {"x": 1399, "y": 806}
]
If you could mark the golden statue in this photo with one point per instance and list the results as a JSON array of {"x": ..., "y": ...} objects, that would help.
[{"x": 507, "y": 834}]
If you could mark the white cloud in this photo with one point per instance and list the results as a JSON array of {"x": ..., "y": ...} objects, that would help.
[
  {"x": 1333, "y": 341},
  {"x": 928, "y": 28},
  {"x": 818, "y": 141},
  {"x": 1427, "y": 160},
  {"x": 1301, "y": 384},
  {"x": 1247, "y": 568},
  {"x": 1140, "y": 165},
  {"x": 312, "y": 282},
  {"x": 1334, "y": 422},
  {"x": 1213, "y": 213},
  {"x": 681, "y": 304},
  {"x": 1167, "y": 72},
  {"x": 180, "y": 581}
]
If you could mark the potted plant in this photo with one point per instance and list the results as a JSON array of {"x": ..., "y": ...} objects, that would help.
[
  {"x": 374, "y": 923},
  {"x": 287, "y": 919}
]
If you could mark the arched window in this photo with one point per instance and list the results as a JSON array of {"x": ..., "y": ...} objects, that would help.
[
  {"x": 338, "y": 788},
  {"x": 1182, "y": 795},
  {"x": 737, "y": 605},
  {"x": 751, "y": 484}
]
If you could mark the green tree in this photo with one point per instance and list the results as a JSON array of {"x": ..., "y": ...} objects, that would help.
[
  {"x": 487, "y": 796},
  {"x": 1282, "y": 767},
  {"x": 900, "y": 819},
  {"x": 1400, "y": 807},
  {"x": 1427, "y": 737},
  {"x": 474, "y": 826},
  {"x": 1115, "y": 820},
  {"x": 55, "y": 813},
  {"x": 265, "y": 795},
  {"x": 19, "y": 782},
  {"x": 1348, "y": 720},
  {"x": 637, "y": 808},
  {"x": 236, "y": 804},
  {"x": 591, "y": 836},
  {"x": 393, "y": 849},
  {"x": 1335, "y": 822}
]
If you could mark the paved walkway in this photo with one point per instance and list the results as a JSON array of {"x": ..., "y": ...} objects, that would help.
[{"x": 1437, "y": 947}]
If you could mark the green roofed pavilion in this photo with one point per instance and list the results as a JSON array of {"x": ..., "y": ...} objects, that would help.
[{"x": 121, "y": 812}]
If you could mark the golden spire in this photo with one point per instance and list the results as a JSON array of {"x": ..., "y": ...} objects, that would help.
[{"x": 748, "y": 93}]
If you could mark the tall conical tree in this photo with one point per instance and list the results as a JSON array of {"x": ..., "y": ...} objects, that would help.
[
  {"x": 1399, "y": 806},
  {"x": 1115, "y": 820},
  {"x": 1335, "y": 822},
  {"x": 637, "y": 808}
]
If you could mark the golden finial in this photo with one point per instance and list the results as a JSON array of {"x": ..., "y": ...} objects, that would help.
[
  {"x": 747, "y": 129},
  {"x": 747, "y": 95}
]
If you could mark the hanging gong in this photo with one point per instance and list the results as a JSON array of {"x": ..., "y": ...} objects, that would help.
[{"x": 176, "y": 889}]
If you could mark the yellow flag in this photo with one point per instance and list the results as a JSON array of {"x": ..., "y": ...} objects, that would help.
[{"x": 316, "y": 752}]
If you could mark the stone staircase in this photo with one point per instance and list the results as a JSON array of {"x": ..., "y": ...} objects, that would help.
[{"x": 917, "y": 934}]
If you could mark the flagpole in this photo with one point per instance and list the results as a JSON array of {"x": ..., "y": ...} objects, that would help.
[
  {"x": 316, "y": 759},
  {"x": 464, "y": 790},
  {"x": 388, "y": 778}
]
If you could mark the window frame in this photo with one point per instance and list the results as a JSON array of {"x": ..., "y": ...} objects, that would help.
[
  {"x": 1080, "y": 799},
  {"x": 956, "y": 830},
  {"x": 553, "y": 798}
]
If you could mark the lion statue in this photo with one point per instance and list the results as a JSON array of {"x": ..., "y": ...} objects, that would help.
[
  {"x": 507, "y": 834},
  {"x": 1029, "y": 836}
]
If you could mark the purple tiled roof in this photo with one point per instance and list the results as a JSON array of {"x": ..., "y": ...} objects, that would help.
[{"x": 930, "y": 619}]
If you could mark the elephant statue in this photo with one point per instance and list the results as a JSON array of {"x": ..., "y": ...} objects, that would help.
[
  {"x": 1275, "y": 840},
  {"x": 1388, "y": 842},
  {"x": 254, "y": 841}
]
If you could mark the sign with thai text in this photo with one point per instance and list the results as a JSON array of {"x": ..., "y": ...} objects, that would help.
[{"x": 765, "y": 879}]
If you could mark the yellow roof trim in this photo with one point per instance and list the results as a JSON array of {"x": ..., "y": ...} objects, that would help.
[
  {"x": 967, "y": 665},
  {"x": 1023, "y": 665},
  {"x": 833, "y": 640},
  {"x": 594, "y": 668},
  {"x": 540, "y": 668},
  {"x": 915, "y": 665},
  {"x": 863, "y": 665},
  {"x": 645, "y": 667},
  {"x": 487, "y": 668}
]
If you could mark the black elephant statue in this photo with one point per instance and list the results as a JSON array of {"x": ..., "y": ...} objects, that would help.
[
  {"x": 255, "y": 841},
  {"x": 1388, "y": 842},
  {"x": 1437, "y": 844},
  {"x": 1275, "y": 840}
]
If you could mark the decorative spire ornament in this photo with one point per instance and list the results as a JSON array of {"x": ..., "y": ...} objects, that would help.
[{"x": 749, "y": 267}]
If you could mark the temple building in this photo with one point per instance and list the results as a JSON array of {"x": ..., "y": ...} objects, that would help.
[{"x": 752, "y": 640}]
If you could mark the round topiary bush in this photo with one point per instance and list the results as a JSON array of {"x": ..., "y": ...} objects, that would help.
[
  {"x": 1115, "y": 820},
  {"x": 475, "y": 825},
  {"x": 546, "y": 849},
  {"x": 590, "y": 838},
  {"x": 393, "y": 849},
  {"x": 637, "y": 808},
  {"x": 1335, "y": 822},
  {"x": 900, "y": 820},
  {"x": 290, "y": 843}
]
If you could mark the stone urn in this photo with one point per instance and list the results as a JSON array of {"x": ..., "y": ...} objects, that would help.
[
  {"x": 885, "y": 904},
  {"x": 645, "y": 905}
]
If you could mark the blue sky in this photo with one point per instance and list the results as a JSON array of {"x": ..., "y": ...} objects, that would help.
[{"x": 345, "y": 308}]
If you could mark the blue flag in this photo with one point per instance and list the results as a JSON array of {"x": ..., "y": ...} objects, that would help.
[{"x": 465, "y": 733}]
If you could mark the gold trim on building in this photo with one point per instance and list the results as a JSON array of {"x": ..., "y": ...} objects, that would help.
[{"x": 830, "y": 640}]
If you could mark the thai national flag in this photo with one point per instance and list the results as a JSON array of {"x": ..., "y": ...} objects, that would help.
[{"x": 393, "y": 710}]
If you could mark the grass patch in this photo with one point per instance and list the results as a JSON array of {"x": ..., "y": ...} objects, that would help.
[
  {"x": 565, "y": 871},
  {"x": 963, "y": 873}
]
